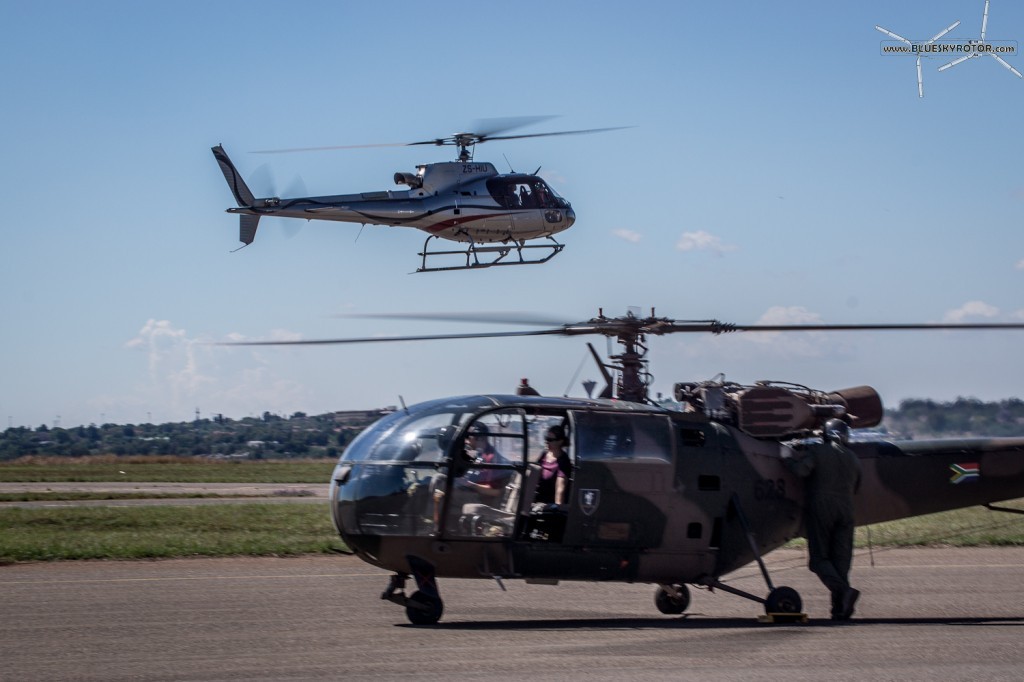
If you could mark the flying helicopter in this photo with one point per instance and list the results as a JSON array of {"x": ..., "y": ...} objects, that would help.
[
  {"x": 464, "y": 201},
  {"x": 671, "y": 497}
]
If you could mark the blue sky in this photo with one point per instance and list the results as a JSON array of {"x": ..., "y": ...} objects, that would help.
[{"x": 778, "y": 167}]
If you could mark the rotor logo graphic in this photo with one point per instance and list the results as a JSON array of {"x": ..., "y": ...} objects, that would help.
[{"x": 962, "y": 51}]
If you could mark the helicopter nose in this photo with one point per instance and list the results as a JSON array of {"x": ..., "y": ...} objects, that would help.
[{"x": 570, "y": 217}]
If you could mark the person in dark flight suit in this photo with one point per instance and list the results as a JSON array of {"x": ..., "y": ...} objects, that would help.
[{"x": 833, "y": 474}]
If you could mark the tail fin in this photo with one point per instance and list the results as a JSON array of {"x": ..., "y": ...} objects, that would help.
[
  {"x": 249, "y": 223},
  {"x": 238, "y": 187},
  {"x": 247, "y": 228}
]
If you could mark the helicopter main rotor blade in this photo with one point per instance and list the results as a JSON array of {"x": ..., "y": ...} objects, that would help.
[
  {"x": 873, "y": 327},
  {"x": 486, "y": 129},
  {"x": 324, "y": 149},
  {"x": 563, "y": 132},
  {"x": 631, "y": 326},
  {"x": 466, "y": 139},
  {"x": 385, "y": 339},
  {"x": 511, "y": 317}
]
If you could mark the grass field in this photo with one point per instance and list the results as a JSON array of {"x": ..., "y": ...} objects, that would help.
[
  {"x": 287, "y": 529},
  {"x": 162, "y": 532}
]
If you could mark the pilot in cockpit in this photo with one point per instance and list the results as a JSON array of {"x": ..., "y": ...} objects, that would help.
[
  {"x": 489, "y": 484},
  {"x": 479, "y": 486}
]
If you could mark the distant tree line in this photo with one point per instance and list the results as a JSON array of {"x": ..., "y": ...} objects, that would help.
[
  {"x": 917, "y": 418},
  {"x": 301, "y": 436},
  {"x": 269, "y": 436}
]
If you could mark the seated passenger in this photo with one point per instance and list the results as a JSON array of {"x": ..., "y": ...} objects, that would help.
[
  {"x": 525, "y": 199},
  {"x": 555, "y": 469}
]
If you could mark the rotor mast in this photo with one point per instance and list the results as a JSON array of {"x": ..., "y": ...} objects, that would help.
[{"x": 631, "y": 363}]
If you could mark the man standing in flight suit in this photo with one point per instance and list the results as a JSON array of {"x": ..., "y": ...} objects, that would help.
[{"x": 833, "y": 475}]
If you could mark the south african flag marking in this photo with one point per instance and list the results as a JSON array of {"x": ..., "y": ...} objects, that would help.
[{"x": 964, "y": 472}]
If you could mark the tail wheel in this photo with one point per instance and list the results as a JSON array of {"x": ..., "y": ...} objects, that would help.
[
  {"x": 424, "y": 609},
  {"x": 783, "y": 600},
  {"x": 672, "y": 600}
]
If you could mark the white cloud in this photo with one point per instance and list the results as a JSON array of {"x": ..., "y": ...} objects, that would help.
[
  {"x": 173, "y": 364},
  {"x": 703, "y": 241},
  {"x": 628, "y": 235},
  {"x": 758, "y": 349},
  {"x": 186, "y": 372},
  {"x": 798, "y": 343},
  {"x": 1019, "y": 264},
  {"x": 970, "y": 309}
]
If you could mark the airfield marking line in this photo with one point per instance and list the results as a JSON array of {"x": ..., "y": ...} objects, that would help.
[{"x": 169, "y": 579}]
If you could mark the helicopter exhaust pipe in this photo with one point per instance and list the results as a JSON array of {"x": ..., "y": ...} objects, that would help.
[
  {"x": 410, "y": 179},
  {"x": 863, "y": 406}
]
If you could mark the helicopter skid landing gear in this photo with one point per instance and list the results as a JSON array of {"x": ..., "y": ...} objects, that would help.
[
  {"x": 425, "y": 606},
  {"x": 493, "y": 255}
]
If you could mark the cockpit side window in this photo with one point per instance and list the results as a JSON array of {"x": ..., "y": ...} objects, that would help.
[
  {"x": 623, "y": 436},
  {"x": 523, "y": 192},
  {"x": 484, "y": 495}
]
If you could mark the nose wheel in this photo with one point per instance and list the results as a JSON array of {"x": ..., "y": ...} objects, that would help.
[
  {"x": 672, "y": 600},
  {"x": 423, "y": 609},
  {"x": 425, "y": 606}
]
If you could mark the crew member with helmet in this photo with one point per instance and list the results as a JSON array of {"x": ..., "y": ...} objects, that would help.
[
  {"x": 833, "y": 474},
  {"x": 488, "y": 483}
]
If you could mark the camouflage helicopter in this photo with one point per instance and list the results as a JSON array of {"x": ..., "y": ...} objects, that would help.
[
  {"x": 463, "y": 201},
  {"x": 668, "y": 497}
]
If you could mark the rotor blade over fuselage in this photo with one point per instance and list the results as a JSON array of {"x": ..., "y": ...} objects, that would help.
[{"x": 626, "y": 326}]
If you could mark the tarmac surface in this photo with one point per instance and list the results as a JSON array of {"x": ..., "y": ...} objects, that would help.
[{"x": 925, "y": 614}]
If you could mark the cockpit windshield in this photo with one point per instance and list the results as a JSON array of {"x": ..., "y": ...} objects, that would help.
[
  {"x": 395, "y": 467},
  {"x": 524, "y": 191},
  {"x": 449, "y": 468}
]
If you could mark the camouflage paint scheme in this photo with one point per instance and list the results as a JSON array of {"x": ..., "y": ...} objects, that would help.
[{"x": 657, "y": 496}]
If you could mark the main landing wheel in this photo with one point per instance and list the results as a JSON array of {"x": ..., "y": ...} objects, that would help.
[
  {"x": 783, "y": 600},
  {"x": 424, "y": 609},
  {"x": 672, "y": 600}
]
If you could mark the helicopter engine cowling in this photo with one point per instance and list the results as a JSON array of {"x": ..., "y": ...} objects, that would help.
[
  {"x": 771, "y": 410},
  {"x": 414, "y": 181}
]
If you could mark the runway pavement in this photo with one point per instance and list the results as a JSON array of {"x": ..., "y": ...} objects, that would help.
[{"x": 926, "y": 614}]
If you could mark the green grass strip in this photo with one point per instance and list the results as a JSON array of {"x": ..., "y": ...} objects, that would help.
[
  {"x": 162, "y": 532},
  {"x": 163, "y": 470}
]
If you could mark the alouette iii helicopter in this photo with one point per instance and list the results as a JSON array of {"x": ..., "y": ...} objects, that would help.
[
  {"x": 668, "y": 497},
  {"x": 463, "y": 201}
]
